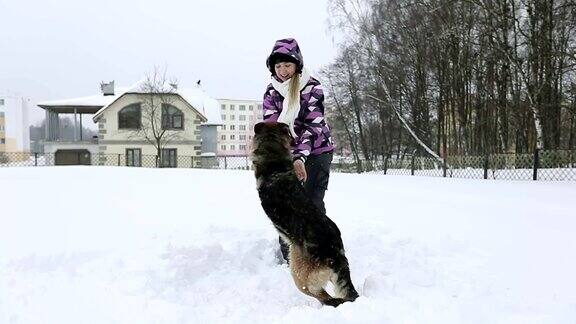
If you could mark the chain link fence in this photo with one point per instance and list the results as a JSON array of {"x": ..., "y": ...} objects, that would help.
[
  {"x": 19, "y": 159},
  {"x": 558, "y": 165},
  {"x": 542, "y": 165}
]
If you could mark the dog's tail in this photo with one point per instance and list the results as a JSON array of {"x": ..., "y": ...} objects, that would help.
[
  {"x": 343, "y": 287},
  {"x": 326, "y": 299}
]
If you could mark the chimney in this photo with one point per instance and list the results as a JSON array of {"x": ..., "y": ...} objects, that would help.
[{"x": 107, "y": 88}]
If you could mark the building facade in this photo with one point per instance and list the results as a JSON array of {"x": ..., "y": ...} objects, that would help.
[
  {"x": 237, "y": 130},
  {"x": 123, "y": 127},
  {"x": 14, "y": 125}
]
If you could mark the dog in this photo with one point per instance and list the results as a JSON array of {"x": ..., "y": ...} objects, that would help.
[{"x": 316, "y": 250}]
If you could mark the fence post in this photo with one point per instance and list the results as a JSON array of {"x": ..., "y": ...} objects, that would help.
[
  {"x": 536, "y": 163},
  {"x": 247, "y": 165},
  {"x": 386, "y": 164},
  {"x": 118, "y": 159},
  {"x": 192, "y": 161},
  {"x": 225, "y": 162},
  {"x": 412, "y": 165},
  {"x": 444, "y": 167},
  {"x": 35, "y": 159},
  {"x": 486, "y": 167}
]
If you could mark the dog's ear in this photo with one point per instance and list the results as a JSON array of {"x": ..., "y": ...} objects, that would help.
[
  {"x": 284, "y": 128},
  {"x": 259, "y": 127}
]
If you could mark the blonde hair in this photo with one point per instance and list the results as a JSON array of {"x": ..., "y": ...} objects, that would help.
[{"x": 294, "y": 87}]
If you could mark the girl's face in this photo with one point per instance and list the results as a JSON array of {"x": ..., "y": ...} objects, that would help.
[{"x": 285, "y": 70}]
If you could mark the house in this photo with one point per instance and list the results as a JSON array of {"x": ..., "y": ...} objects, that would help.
[
  {"x": 238, "y": 119},
  {"x": 188, "y": 118}
]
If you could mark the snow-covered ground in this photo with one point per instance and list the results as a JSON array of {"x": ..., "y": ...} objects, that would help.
[{"x": 134, "y": 245}]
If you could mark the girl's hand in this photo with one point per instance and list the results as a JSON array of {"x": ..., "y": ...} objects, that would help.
[{"x": 300, "y": 170}]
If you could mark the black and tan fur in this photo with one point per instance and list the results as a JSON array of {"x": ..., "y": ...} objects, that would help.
[{"x": 316, "y": 250}]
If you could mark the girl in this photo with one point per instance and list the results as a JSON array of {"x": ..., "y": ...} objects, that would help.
[{"x": 295, "y": 98}]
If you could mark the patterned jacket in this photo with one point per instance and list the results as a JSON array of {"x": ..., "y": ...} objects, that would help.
[{"x": 313, "y": 134}]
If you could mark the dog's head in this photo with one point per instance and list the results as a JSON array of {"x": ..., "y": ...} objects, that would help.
[
  {"x": 271, "y": 141},
  {"x": 272, "y": 133}
]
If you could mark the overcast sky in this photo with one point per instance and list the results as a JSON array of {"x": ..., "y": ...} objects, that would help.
[{"x": 58, "y": 49}]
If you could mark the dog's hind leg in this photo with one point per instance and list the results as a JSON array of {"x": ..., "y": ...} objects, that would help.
[
  {"x": 311, "y": 277},
  {"x": 314, "y": 287}
]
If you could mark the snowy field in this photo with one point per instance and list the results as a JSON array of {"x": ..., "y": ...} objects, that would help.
[{"x": 123, "y": 245}]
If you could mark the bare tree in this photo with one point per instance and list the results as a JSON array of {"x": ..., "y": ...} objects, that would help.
[
  {"x": 156, "y": 94},
  {"x": 342, "y": 119}
]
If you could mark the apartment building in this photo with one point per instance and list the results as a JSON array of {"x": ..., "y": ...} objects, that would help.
[
  {"x": 237, "y": 129},
  {"x": 14, "y": 126}
]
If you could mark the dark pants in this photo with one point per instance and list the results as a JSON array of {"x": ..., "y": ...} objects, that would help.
[{"x": 318, "y": 172}]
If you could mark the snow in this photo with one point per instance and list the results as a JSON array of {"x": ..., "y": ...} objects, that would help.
[
  {"x": 97, "y": 100},
  {"x": 207, "y": 105},
  {"x": 89, "y": 101},
  {"x": 135, "y": 245}
]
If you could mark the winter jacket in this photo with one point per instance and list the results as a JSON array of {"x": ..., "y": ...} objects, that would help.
[{"x": 313, "y": 134}]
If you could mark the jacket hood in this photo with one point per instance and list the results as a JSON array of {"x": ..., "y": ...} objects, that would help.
[{"x": 282, "y": 47}]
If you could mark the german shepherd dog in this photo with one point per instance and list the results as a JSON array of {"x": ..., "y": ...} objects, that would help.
[{"x": 316, "y": 250}]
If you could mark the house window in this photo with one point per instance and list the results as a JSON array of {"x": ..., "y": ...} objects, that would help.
[
  {"x": 223, "y": 117},
  {"x": 232, "y": 117},
  {"x": 129, "y": 117},
  {"x": 232, "y": 147},
  {"x": 251, "y": 118},
  {"x": 242, "y": 147},
  {"x": 223, "y": 147},
  {"x": 260, "y": 107},
  {"x": 223, "y": 107},
  {"x": 1, "y": 114},
  {"x": 232, "y": 127},
  {"x": 242, "y": 137},
  {"x": 242, "y": 117},
  {"x": 2, "y": 141},
  {"x": 242, "y": 127},
  {"x": 223, "y": 137},
  {"x": 251, "y": 108},
  {"x": 242, "y": 107},
  {"x": 223, "y": 127},
  {"x": 134, "y": 157},
  {"x": 232, "y": 107},
  {"x": 1, "y": 102},
  {"x": 232, "y": 137},
  {"x": 168, "y": 158},
  {"x": 172, "y": 117}
]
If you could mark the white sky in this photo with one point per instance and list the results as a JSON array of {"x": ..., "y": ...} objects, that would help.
[{"x": 57, "y": 49}]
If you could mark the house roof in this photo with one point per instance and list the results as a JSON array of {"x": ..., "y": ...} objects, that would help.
[
  {"x": 209, "y": 106},
  {"x": 89, "y": 104},
  {"x": 198, "y": 99}
]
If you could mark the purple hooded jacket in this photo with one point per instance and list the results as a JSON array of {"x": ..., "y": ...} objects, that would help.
[{"x": 313, "y": 134}]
